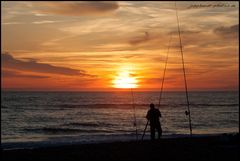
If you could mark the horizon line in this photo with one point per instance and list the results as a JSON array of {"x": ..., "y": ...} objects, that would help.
[{"x": 117, "y": 90}]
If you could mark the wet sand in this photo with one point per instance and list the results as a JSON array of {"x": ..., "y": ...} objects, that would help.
[{"x": 222, "y": 147}]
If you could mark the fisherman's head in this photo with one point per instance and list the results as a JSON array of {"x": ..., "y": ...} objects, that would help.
[{"x": 152, "y": 106}]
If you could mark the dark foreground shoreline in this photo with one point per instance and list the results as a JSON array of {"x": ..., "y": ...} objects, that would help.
[{"x": 222, "y": 147}]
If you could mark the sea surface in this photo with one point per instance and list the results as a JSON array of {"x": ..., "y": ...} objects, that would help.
[{"x": 50, "y": 118}]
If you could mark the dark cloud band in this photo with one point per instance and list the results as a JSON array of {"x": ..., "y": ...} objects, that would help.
[{"x": 10, "y": 62}]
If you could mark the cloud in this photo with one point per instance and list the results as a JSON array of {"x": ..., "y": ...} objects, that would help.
[
  {"x": 184, "y": 32},
  {"x": 150, "y": 41},
  {"x": 10, "y": 73},
  {"x": 76, "y": 8},
  {"x": 139, "y": 40},
  {"x": 32, "y": 65},
  {"x": 227, "y": 32},
  {"x": 44, "y": 22}
]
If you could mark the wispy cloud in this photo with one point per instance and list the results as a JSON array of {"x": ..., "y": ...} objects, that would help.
[
  {"x": 139, "y": 40},
  {"x": 11, "y": 23},
  {"x": 44, "y": 22},
  {"x": 227, "y": 32},
  {"x": 76, "y": 8}
]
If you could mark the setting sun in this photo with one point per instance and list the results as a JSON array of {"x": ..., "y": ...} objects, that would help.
[{"x": 125, "y": 79}]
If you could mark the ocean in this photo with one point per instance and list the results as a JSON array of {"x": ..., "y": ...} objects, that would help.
[{"x": 49, "y": 118}]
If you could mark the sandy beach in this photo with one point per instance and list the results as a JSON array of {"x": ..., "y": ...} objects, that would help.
[{"x": 222, "y": 147}]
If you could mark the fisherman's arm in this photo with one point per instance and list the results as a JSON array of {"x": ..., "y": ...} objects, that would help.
[{"x": 159, "y": 113}]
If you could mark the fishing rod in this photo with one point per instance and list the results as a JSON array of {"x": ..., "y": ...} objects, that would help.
[
  {"x": 185, "y": 79},
  {"x": 163, "y": 78},
  {"x": 184, "y": 73},
  {"x": 145, "y": 130},
  {"x": 134, "y": 112},
  {"x": 164, "y": 72},
  {"x": 134, "y": 115}
]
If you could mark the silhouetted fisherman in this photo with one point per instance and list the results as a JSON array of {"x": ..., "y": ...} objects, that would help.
[{"x": 153, "y": 116}]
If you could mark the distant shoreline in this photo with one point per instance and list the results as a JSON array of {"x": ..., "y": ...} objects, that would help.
[{"x": 198, "y": 148}]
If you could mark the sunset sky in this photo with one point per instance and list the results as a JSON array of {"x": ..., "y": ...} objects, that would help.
[{"x": 106, "y": 45}]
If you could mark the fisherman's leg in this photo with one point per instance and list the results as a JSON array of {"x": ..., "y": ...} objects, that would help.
[
  {"x": 159, "y": 132},
  {"x": 152, "y": 133}
]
